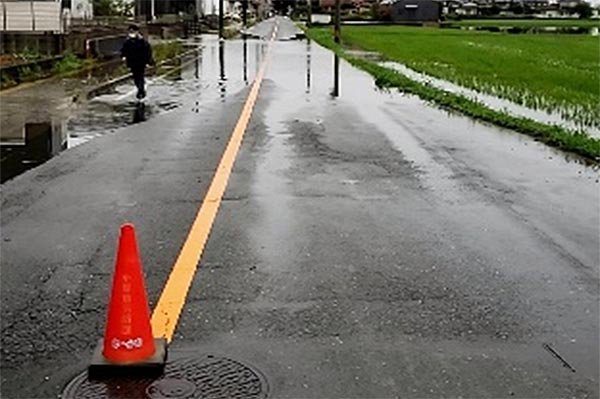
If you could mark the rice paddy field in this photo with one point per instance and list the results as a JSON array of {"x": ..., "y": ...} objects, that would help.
[
  {"x": 554, "y": 72},
  {"x": 575, "y": 23}
]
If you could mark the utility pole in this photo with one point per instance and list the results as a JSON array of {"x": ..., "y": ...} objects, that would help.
[
  {"x": 221, "y": 36},
  {"x": 245, "y": 13},
  {"x": 309, "y": 13},
  {"x": 336, "y": 29}
]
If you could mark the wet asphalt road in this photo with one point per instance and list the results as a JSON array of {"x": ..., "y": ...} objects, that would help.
[{"x": 368, "y": 245}]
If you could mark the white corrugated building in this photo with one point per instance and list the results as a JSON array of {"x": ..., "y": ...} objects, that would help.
[{"x": 31, "y": 16}]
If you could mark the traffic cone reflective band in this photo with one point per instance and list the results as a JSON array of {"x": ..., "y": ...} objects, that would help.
[
  {"x": 128, "y": 335},
  {"x": 128, "y": 346}
]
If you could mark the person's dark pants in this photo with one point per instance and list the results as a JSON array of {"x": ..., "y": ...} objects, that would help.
[{"x": 138, "y": 79}]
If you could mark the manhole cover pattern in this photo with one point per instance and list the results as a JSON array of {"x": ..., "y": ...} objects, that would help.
[{"x": 213, "y": 377}]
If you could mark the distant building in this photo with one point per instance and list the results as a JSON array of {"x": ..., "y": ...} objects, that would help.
[
  {"x": 31, "y": 16},
  {"x": 469, "y": 9},
  {"x": 167, "y": 7},
  {"x": 77, "y": 9},
  {"x": 415, "y": 11}
]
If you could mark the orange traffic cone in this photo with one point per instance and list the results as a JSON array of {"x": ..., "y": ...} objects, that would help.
[{"x": 128, "y": 344}]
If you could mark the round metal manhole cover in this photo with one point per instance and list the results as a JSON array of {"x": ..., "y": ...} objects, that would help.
[
  {"x": 209, "y": 377},
  {"x": 171, "y": 388}
]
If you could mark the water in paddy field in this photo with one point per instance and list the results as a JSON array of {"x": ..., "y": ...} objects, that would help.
[
  {"x": 40, "y": 121},
  {"x": 493, "y": 102}
]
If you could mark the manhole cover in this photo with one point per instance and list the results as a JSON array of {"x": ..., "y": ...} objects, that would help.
[
  {"x": 171, "y": 388},
  {"x": 207, "y": 378}
]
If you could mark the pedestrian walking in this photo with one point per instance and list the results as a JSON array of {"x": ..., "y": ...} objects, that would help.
[{"x": 137, "y": 52}]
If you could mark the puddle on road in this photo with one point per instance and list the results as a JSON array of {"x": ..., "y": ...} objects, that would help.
[{"x": 45, "y": 119}]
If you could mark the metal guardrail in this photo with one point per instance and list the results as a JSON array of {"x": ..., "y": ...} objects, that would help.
[
  {"x": 104, "y": 47},
  {"x": 105, "y": 21}
]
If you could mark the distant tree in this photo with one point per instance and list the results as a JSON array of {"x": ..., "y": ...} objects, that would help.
[
  {"x": 375, "y": 10},
  {"x": 102, "y": 8},
  {"x": 123, "y": 7},
  {"x": 105, "y": 8},
  {"x": 583, "y": 9}
]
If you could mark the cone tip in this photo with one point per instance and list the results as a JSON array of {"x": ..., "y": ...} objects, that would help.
[{"x": 127, "y": 227}]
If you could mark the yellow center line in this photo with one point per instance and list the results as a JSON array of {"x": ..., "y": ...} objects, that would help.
[{"x": 172, "y": 299}]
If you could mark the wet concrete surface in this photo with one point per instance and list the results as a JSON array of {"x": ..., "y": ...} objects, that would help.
[{"x": 368, "y": 245}]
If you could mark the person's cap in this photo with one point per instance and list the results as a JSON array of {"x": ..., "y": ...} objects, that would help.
[{"x": 133, "y": 28}]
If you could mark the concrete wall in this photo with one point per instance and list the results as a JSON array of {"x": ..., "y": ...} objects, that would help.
[{"x": 416, "y": 11}]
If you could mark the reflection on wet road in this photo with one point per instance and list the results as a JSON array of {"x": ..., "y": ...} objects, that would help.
[
  {"x": 375, "y": 246},
  {"x": 219, "y": 68},
  {"x": 60, "y": 104}
]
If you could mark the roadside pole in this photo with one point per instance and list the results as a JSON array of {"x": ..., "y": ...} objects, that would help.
[
  {"x": 336, "y": 30},
  {"x": 336, "y": 76},
  {"x": 336, "y": 59},
  {"x": 308, "y": 13},
  {"x": 221, "y": 36}
]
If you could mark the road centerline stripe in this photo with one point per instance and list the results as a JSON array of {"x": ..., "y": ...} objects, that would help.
[{"x": 172, "y": 299}]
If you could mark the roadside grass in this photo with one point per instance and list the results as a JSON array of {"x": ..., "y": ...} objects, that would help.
[
  {"x": 576, "y": 142},
  {"x": 166, "y": 50},
  {"x": 6, "y": 81},
  {"x": 553, "y": 72},
  {"x": 69, "y": 63},
  {"x": 526, "y": 23}
]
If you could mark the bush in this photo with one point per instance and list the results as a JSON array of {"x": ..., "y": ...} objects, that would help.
[
  {"x": 69, "y": 63},
  {"x": 166, "y": 50},
  {"x": 27, "y": 73},
  {"x": 29, "y": 54}
]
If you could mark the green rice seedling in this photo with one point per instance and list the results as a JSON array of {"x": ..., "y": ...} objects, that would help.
[
  {"x": 551, "y": 72},
  {"x": 569, "y": 140}
]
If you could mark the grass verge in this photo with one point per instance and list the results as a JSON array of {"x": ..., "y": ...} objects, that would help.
[
  {"x": 71, "y": 65},
  {"x": 556, "y": 136},
  {"x": 68, "y": 64}
]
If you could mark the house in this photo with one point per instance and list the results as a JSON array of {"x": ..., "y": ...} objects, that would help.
[
  {"x": 535, "y": 4},
  {"x": 468, "y": 9},
  {"x": 415, "y": 11},
  {"x": 450, "y": 7}
]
